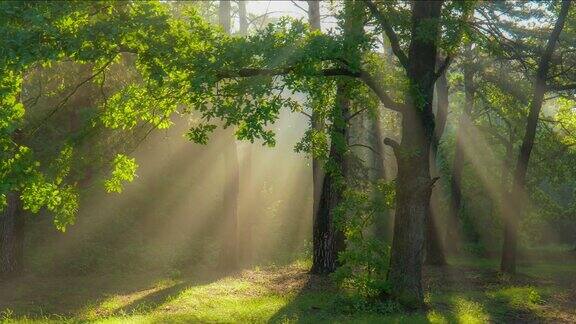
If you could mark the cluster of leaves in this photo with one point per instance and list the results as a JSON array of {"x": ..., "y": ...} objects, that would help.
[
  {"x": 366, "y": 258},
  {"x": 124, "y": 170},
  {"x": 38, "y": 34}
]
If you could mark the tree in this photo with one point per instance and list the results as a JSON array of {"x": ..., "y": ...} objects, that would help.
[
  {"x": 328, "y": 237},
  {"x": 413, "y": 183},
  {"x": 434, "y": 247},
  {"x": 452, "y": 234},
  {"x": 509, "y": 250},
  {"x": 229, "y": 252}
]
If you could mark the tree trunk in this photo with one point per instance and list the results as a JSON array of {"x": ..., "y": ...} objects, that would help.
[
  {"x": 413, "y": 184},
  {"x": 314, "y": 14},
  {"x": 11, "y": 237},
  {"x": 453, "y": 237},
  {"x": 327, "y": 240},
  {"x": 382, "y": 221},
  {"x": 229, "y": 252},
  {"x": 434, "y": 247},
  {"x": 243, "y": 17},
  {"x": 511, "y": 221},
  {"x": 225, "y": 15},
  {"x": 317, "y": 176}
]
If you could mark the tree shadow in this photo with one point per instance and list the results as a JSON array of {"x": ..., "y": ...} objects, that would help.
[
  {"x": 32, "y": 296},
  {"x": 461, "y": 291},
  {"x": 312, "y": 303},
  {"x": 160, "y": 297}
]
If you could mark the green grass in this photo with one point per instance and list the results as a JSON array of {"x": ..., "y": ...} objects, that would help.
[{"x": 469, "y": 291}]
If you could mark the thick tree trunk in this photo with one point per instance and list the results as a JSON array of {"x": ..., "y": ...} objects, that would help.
[
  {"x": 11, "y": 237},
  {"x": 434, "y": 247},
  {"x": 413, "y": 189},
  {"x": 413, "y": 184},
  {"x": 327, "y": 240},
  {"x": 453, "y": 238},
  {"x": 229, "y": 252},
  {"x": 511, "y": 221}
]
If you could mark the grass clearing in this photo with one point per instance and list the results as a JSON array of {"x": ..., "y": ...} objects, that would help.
[{"x": 469, "y": 291}]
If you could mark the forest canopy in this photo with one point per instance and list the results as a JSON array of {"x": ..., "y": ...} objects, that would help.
[{"x": 378, "y": 143}]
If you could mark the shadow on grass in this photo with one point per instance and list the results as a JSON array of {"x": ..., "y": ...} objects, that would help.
[
  {"x": 457, "y": 294},
  {"x": 160, "y": 297},
  {"x": 93, "y": 296}
]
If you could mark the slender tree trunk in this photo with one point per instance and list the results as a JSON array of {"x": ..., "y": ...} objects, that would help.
[
  {"x": 434, "y": 247},
  {"x": 243, "y": 17},
  {"x": 11, "y": 237},
  {"x": 314, "y": 14},
  {"x": 246, "y": 223},
  {"x": 382, "y": 221},
  {"x": 229, "y": 252},
  {"x": 511, "y": 221},
  {"x": 453, "y": 239},
  {"x": 317, "y": 174},
  {"x": 413, "y": 184},
  {"x": 225, "y": 15},
  {"x": 328, "y": 241}
]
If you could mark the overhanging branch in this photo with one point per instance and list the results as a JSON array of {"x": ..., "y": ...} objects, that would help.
[
  {"x": 394, "y": 42},
  {"x": 382, "y": 95}
]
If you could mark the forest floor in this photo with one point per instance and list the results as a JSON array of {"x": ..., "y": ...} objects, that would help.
[{"x": 468, "y": 291}]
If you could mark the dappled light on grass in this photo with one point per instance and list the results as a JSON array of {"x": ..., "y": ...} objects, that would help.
[{"x": 290, "y": 294}]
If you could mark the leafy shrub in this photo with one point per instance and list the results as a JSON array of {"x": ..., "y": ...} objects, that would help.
[{"x": 366, "y": 258}]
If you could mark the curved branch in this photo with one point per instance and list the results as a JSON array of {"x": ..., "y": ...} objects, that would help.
[
  {"x": 362, "y": 75},
  {"x": 394, "y": 145},
  {"x": 381, "y": 93},
  {"x": 394, "y": 42}
]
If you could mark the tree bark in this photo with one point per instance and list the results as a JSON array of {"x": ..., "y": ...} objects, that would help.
[
  {"x": 434, "y": 247},
  {"x": 511, "y": 221},
  {"x": 12, "y": 237},
  {"x": 328, "y": 241},
  {"x": 413, "y": 184},
  {"x": 229, "y": 251}
]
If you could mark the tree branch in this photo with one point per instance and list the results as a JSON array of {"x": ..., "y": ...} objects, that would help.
[
  {"x": 362, "y": 75},
  {"x": 394, "y": 42},
  {"x": 565, "y": 87},
  {"x": 442, "y": 68},
  {"x": 251, "y": 72},
  {"x": 365, "y": 146},
  {"x": 394, "y": 145},
  {"x": 381, "y": 93}
]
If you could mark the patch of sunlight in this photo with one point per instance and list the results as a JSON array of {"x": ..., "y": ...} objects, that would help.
[
  {"x": 469, "y": 312},
  {"x": 116, "y": 303},
  {"x": 226, "y": 300},
  {"x": 436, "y": 318},
  {"x": 517, "y": 297}
]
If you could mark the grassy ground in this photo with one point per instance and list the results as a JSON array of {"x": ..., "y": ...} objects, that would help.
[{"x": 469, "y": 291}]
